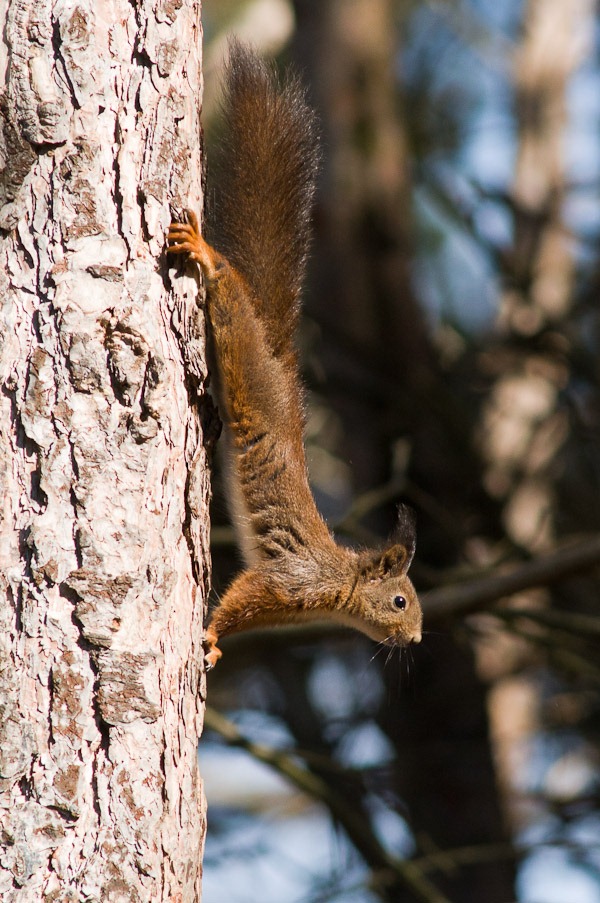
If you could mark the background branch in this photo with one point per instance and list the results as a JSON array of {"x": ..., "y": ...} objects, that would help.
[
  {"x": 352, "y": 820},
  {"x": 473, "y": 595}
]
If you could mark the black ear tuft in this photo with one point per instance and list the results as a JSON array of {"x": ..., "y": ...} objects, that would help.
[
  {"x": 406, "y": 531},
  {"x": 397, "y": 558}
]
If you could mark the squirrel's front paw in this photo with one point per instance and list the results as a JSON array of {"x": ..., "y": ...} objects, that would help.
[{"x": 214, "y": 653}]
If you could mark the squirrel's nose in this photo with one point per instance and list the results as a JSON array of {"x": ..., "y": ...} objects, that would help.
[{"x": 417, "y": 637}]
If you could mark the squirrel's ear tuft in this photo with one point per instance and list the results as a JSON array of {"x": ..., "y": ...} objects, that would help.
[
  {"x": 406, "y": 531},
  {"x": 395, "y": 560}
]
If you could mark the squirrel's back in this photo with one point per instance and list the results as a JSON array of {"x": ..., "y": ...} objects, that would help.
[{"x": 266, "y": 173}]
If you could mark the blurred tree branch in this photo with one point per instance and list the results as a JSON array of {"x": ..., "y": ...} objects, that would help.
[
  {"x": 352, "y": 820},
  {"x": 475, "y": 594},
  {"x": 488, "y": 852},
  {"x": 498, "y": 426}
]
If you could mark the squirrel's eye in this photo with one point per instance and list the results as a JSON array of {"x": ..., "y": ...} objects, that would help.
[{"x": 400, "y": 602}]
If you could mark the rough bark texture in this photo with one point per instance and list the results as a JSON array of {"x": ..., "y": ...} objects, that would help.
[{"x": 104, "y": 538}]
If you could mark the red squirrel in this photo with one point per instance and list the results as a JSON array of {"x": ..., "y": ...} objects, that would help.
[{"x": 294, "y": 569}]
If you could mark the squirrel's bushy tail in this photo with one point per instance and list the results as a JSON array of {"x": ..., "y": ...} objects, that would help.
[{"x": 266, "y": 173}]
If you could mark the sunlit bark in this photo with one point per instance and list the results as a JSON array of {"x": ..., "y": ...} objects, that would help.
[{"x": 104, "y": 533}]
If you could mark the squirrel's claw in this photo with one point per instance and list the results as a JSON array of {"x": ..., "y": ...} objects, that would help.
[
  {"x": 214, "y": 653},
  {"x": 185, "y": 238}
]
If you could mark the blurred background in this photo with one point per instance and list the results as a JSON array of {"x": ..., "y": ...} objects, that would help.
[{"x": 450, "y": 346}]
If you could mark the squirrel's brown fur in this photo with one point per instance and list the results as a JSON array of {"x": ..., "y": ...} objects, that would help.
[
  {"x": 295, "y": 570},
  {"x": 266, "y": 171}
]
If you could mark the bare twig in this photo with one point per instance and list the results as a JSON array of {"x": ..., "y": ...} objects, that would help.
[
  {"x": 586, "y": 626},
  {"x": 473, "y": 595},
  {"x": 349, "y": 817},
  {"x": 555, "y": 642},
  {"x": 493, "y": 852}
]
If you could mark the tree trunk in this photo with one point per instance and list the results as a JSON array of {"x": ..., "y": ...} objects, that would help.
[{"x": 103, "y": 459}]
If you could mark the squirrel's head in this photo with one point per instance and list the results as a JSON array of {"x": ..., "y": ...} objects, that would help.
[{"x": 389, "y": 607}]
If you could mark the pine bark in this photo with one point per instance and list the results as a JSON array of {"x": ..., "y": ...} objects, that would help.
[{"x": 103, "y": 455}]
